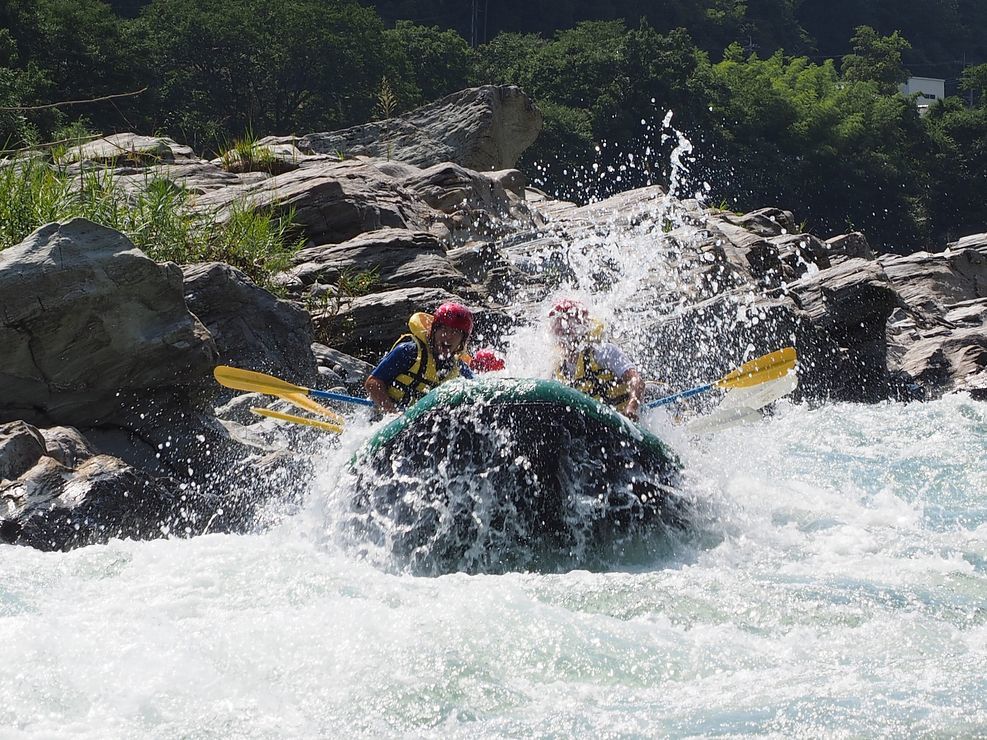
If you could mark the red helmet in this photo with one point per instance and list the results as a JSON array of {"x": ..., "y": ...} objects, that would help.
[
  {"x": 455, "y": 316},
  {"x": 568, "y": 316},
  {"x": 486, "y": 360}
]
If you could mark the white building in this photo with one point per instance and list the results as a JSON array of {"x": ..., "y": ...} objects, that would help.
[{"x": 929, "y": 89}]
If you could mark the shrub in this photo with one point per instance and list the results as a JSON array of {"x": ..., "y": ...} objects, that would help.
[{"x": 156, "y": 217}]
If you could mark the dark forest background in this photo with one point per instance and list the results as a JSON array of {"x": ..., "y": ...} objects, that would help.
[{"x": 791, "y": 103}]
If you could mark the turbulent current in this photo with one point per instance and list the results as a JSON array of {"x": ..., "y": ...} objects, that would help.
[{"x": 839, "y": 588}]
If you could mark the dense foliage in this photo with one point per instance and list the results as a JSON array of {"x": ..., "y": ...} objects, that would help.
[{"x": 785, "y": 102}]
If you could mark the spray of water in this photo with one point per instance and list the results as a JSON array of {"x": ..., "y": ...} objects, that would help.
[{"x": 487, "y": 487}]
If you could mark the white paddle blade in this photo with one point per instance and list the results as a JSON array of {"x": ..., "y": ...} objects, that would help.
[
  {"x": 759, "y": 396},
  {"x": 722, "y": 419},
  {"x": 743, "y": 405}
]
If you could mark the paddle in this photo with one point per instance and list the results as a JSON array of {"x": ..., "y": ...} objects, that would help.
[
  {"x": 248, "y": 380},
  {"x": 754, "y": 372},
  {"x": 742, "y": 405},
  {"x": 297, "y": 419}
]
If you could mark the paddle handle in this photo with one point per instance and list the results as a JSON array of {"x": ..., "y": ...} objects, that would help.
[
  {"x": 340, "y": 397},
  {"x": 683, "y": 394}
]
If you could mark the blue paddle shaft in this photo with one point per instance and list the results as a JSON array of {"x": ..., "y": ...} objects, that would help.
[
  {"x": 340, "y": 397},
  {"x": 684, "y": 394}
]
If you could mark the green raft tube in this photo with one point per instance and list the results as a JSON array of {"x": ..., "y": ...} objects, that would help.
[{"x": 500, "y": 474}]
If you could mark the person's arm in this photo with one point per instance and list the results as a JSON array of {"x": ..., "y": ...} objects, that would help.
[
  {"x": 377, "y": 390},
  {"x": 635, "y": 389},
  {"x": 614, "y": 359},
  {"x": 395, "y": 362}
]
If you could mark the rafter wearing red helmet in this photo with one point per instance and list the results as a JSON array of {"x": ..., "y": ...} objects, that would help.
[
  {"x": 486, "y": 361},
  {"x": 588, "y": 364},
  {"x": 423, "y": 359}
]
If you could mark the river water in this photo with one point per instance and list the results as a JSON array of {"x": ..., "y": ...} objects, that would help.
[{"x": 839, "y": 589}]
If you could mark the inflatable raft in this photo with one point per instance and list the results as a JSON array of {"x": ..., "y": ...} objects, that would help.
[{"x": 502, "y": 474}]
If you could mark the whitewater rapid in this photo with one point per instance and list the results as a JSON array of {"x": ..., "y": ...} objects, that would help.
[{"x": 839, "y": 588}]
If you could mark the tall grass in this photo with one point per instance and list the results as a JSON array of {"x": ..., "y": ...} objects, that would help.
[
  {"x": 246, "y": 155},
  {"x": 156, "y": 217}
]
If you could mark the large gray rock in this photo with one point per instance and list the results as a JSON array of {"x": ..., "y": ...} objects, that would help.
[
  {"x": 449, "y": 188},
  {"x": 331, "y": 200},
  {"x": 194, "y": 176},
  {"x": 54, "y": 508},
  {"x": 87, "y": 320},
  {"x": 21, "y": 446},
  {"x": 971, "y": 241},
  {"x": 950, "y": 359},
  {"x": 939, "y": 334},
  {"x": 482, "y": 128},
  {"x": 67, "y": 445},
  {"x": 398, "y": 257},
  {"x": 483, "y": 264},
  {"x": 748, "y": 252},
  {"x": 853, "y": 244},
  {"x": 128, "y": 148},
  {"x": 928, "y": 282},
  {"x": 835, "y": 318},
  {"x": 801, "y": 254},
  {"x": 350, "y": 371},
  {"x": 764, "y": 222},
  {"x": 252, "y": 328}
]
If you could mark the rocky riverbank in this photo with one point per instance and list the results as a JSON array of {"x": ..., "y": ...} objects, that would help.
[{"x": 111, "y": 424}]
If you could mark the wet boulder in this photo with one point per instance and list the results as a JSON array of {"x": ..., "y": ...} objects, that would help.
[
  {"x": 764, "y": 222},
  {"x": 350, "y": 371},
  {"x": 938, "y": 335},
  {"x": 87, "y": 320},
  {"x": 251, "y": 327},
  {"x": 835, "y": 318},
  {"x": 52, "y": 507},
  {"x": 21, "y": 446},
  {"x": 67, "y": 445}
]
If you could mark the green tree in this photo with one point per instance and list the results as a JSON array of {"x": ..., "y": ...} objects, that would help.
[
  {"x": 840, "y": 152},
  {"x": 440, "y": 61},
  {"x": 579, "y": 63},
  {"x": 507, "y": 60},
  {"x": 974, "y": 81},
  {"x": 876, "y": 59},
  {"x": 66, "y": 50},
  {"x": 958, "y": 178},
  {"x": 267, "y": 67}
]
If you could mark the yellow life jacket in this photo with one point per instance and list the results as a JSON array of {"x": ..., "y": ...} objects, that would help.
[
  {"x": 424, "y": 374},
  {"x": 595, "y": 380}
]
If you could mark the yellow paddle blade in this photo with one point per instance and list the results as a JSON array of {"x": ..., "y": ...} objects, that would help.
[
  {"x": 248, "y": 380},
  {"x": 254, "y": 382},
  {"x": 298, "y": 420},
  {"x": 760, "y": 370},
  {"x": 304, "y": 402}
]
